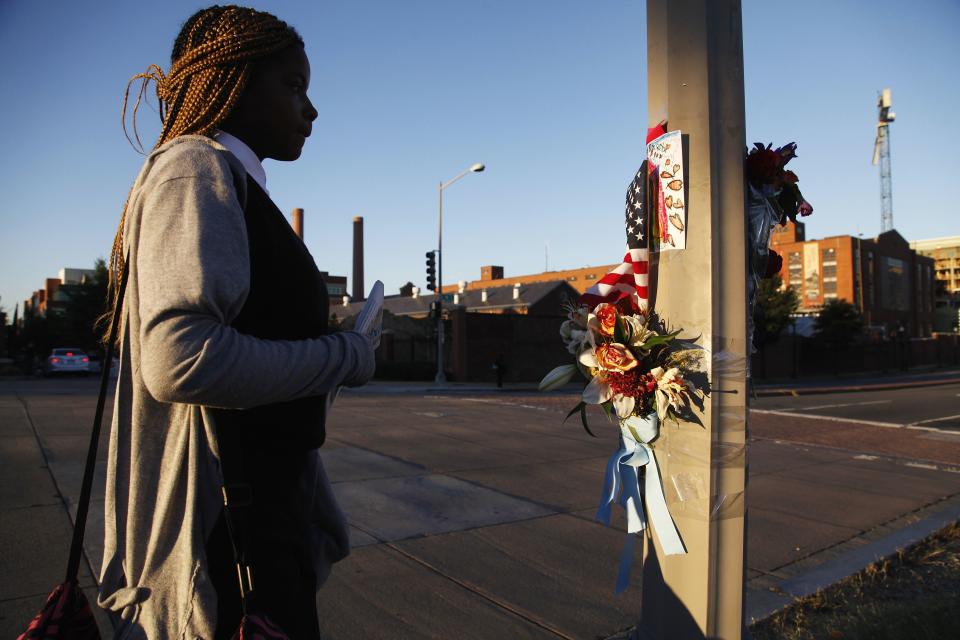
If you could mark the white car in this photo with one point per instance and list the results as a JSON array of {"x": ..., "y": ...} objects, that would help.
[
  {"x": 66, "y": 360},
  {"x": 96, "y": 364}
]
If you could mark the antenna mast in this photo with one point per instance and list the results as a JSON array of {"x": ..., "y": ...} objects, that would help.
[{"x": 881, "y": 154}]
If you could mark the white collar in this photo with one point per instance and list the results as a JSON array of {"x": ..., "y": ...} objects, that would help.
[{"x": 246, "y": 156}]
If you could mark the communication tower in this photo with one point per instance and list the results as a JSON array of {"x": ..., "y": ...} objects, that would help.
[{"x": 881, "y": 154}]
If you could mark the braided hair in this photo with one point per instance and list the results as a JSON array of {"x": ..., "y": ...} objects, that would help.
[{"x": 209, "y": 67}]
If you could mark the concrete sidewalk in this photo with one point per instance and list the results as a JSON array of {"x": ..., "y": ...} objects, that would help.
[{"x": 473, "y": 514}]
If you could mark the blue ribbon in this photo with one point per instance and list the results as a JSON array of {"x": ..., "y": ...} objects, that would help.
[{"x": 622, "y": 477}]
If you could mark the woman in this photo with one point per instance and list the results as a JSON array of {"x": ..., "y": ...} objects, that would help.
[{"x": 224, "y": 357}]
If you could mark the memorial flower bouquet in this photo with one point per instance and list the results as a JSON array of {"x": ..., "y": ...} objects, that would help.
[
  {"x": 637, "y": 371},
  {"x": 765, "y": 171},
  {"x": 635, "y": 366},
  {"x": 772, "y": 197}
]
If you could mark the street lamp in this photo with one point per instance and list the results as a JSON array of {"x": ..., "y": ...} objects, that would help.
[{"x": 477, "y": 168}]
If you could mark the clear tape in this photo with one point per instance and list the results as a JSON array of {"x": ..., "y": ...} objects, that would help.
[
  {"x": 728, "y": 505},
  {"x": 723, "y": 454},
  {"x": 688, "y": 497},
  {"x": 729, "y": 363},
  {"x": 730, "y": 419}
]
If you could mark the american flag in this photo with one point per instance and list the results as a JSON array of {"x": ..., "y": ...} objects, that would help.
[{"x": 630, "y": 278}]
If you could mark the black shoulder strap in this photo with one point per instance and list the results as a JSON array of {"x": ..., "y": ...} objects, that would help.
[
  {"x": 76, "y": 546},
  {"x": 237, "y": 501}
]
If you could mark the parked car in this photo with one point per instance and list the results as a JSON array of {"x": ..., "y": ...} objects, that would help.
[
  {"x": 96, "y": 363},
  {"x": 66, "y": 360}
]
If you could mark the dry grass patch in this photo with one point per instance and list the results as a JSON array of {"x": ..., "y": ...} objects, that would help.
[{"x": 914, "y": 595}]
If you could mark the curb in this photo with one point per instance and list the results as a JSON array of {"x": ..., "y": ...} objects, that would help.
[
  {"x": 883, "y": 386},
  {"x": 764, "y": 601}
]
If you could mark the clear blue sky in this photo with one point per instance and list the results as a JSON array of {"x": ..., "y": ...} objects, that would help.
[{"x": 551, "y": 95}]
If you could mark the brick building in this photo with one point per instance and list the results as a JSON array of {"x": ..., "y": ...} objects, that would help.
[
  {"x": 945, "y": 252},
  {"x": 492, "y": 276},
  {"x": 56, "y": 291},
  {"x": 534, "y": 298},
  {"x": 336, "y": 286},
  {"x": 888, "y": 281}
]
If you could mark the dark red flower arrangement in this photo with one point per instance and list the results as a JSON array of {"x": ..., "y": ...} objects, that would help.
[
  {"x": 764, "y": 169},
  {"x": 765, "y": 172}
]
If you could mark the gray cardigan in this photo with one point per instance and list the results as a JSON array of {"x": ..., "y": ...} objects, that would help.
[{"x": 189, "y": 276}]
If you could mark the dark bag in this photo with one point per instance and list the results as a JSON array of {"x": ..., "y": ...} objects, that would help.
[
  {"x": 257, "y": 627},
  {"x": 67, "y": 614},
  {"x": 237, "y": 497}
]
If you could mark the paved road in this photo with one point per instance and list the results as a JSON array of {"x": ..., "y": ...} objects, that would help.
[
  {"x": 935, "y": 407},
  {"x": 481, "y": 507}
]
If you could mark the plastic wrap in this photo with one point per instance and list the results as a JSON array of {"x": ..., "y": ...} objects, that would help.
[{"x": 761, "y": 218}]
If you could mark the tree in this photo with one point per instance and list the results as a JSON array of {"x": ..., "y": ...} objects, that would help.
[
  {"x": 838, "y": 324},
  {"x": 775, "y": 305}
]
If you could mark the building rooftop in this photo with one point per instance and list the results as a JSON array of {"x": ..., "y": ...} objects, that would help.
[{"x": 499, "y": 298}]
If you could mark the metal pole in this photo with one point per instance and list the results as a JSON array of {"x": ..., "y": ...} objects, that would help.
[
  {"x": 441, "y": 376},
  {"x": 695, "y": 82},
  {"x": 860, "y": 273}
]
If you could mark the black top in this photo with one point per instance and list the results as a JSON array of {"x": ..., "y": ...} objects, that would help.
[{"x": 287, "y": 301}]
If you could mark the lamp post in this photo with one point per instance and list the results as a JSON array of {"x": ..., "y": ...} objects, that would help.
[{"x": 477, "y": 168}]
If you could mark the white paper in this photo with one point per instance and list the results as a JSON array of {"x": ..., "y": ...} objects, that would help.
[
  {"x": 369, "y": 323},
  {"x": 665, "y": 155},
  {"x": 370, "y": 320}
]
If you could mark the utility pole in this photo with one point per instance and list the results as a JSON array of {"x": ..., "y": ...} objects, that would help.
[{"x": 695, "y": 83}]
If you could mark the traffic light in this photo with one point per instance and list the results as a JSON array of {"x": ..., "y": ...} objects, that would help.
[{"x": 432, "y": 270}]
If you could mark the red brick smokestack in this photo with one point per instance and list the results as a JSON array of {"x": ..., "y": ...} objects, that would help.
[
  {"x": 298, "y": 222},
  {"x": 358, "y": 258}
]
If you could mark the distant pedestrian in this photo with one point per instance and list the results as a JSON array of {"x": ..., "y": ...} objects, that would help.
[
  {"x": 224, "y": 331},
  {"x": 500, "y": 368}
]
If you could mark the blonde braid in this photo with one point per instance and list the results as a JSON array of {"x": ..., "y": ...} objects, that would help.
[{"x": 209, "y": 69}]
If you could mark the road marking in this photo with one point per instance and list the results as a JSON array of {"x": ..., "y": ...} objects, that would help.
[
  {"x": 504, "y": 403},
  {"x": 791, "y": 414},
  {"x": 845, "y": 404},
  {"x": 935, "y": 420},
  {"x": 889, "y": 460},
  {"x": 872, "y": 423}
]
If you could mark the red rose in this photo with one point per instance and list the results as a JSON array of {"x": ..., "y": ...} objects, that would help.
[
  {"x": 762, "y": 165},
  {"x": 615, "y": 357},
  {"x": 607, "y": 315}
]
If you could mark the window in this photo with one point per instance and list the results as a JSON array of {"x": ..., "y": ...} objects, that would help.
[
  {"x": 829, "y": 270},
  {"x": 795, "y": 269},
  {"x": 590, "y": 276},
  {"x": 893, "y": 284}
]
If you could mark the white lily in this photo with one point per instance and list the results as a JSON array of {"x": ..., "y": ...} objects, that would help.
[
  {"x": 670, "y": 391},
  {"x": 637, "y": 329},
  {"x": 596, "y": 391},
  {"x": 558, "y": 377},
  {"x": 624, "y": 405},
  {"x": 573, "y": 335},
  {"x": 588, "y": 357}
]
